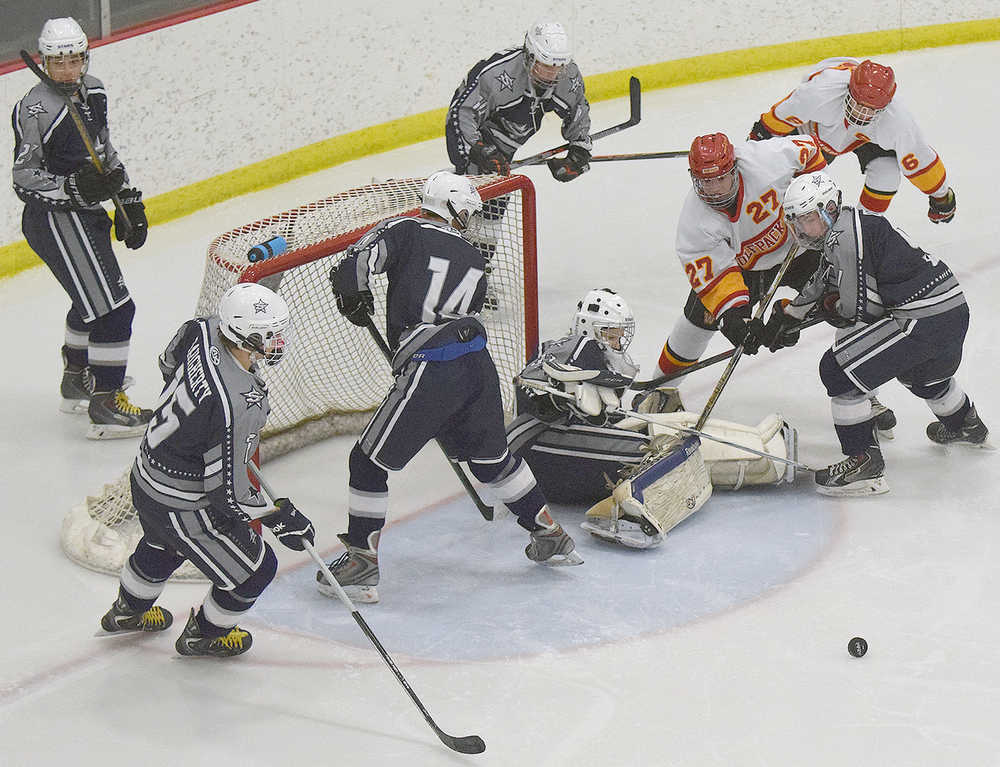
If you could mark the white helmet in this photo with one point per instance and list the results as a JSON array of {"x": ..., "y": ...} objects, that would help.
[
  {"x": 63, "y": 37},
  {"x": 546, "y": 53},
  {"x": 604, "y": 315},
  {"x": 256, "y": 319},
  {"x": 452, "y": 197},
  {"x": 811, "y": 193}
]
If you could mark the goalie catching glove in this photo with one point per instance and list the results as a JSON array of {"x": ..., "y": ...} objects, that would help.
[
  {"x": 290, "y": 526},
  {"x": 591, "y": 400}
]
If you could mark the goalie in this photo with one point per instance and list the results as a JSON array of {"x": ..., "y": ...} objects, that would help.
[{"x": 581, "y": 445}]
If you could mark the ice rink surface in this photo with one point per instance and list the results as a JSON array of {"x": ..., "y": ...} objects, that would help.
[{"x": 725, "y": 646}]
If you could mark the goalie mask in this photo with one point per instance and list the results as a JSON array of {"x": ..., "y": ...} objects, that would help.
[
  {"x": 65, "y": 53},
  {"x": 604, "y": 315},
  {"x": 255, "y": 319},
  {"x": 812, "y": 205},
  {"x": 869, "y": 92},
  {"x": 712, "y": 165},
  {"x": 451, "y": 197},
  {"x": 546, "y": 53}
]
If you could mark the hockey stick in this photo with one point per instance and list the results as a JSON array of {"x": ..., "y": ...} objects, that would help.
[
  {"x": 540, "y": 386},
  {"x": 467, "y": 744},
  {"x": 637, "y": 156},
  {"x": 81, "y": 129},
  {"x": 484, "y": 509},
  {"x": 635, "y": 114},
  {"x": 738, "y": 351},
  {"x": 707, "y": 362}
]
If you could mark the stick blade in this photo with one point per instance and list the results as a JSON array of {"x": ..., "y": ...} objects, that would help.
[
  {"x": 635, "y": 100},
  {"x": 467, "y": 744}
]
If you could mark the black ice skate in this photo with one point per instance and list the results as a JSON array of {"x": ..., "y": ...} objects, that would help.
[
  {"x": 972, "y": 432},
  {"x": 885, "y": 419},
  {"x": 551, "y": 545},
  {"x": 193, "y": 642},
  {"x": 112, "y": 416},
  {"x": 856, "y": 475},
  {"x": 75, "y": 389},
  {"x": 356, "y": 570},
  {"x": 121, "y": 617}
]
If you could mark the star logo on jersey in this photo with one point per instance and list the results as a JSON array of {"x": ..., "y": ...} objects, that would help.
[
  {"x": 833, "y": 237},
  {"x": 254, "y": 398},
  {"x": 36, "y": 109},
  {"x": 575, "y": 84},
  {"x": 260, "y": 307},
  {"x": 504, "y": 81},
  {"x": 214, "y": 355}
]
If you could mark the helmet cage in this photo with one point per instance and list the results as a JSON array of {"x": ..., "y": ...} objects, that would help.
[
  {"x": 603, "y": 315},
  {"x": 813, "y": 194},
  {"x": 546, "y": 54},
  {"x": 869, "y": 91},
  {"x": 63, "y": 41},
  {"x": 257, "y": 320}
]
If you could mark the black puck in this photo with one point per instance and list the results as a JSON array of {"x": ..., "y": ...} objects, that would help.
[{"x": 857, "y": 647}]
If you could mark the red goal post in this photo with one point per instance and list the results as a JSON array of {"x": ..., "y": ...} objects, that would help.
[{"x": 333, "y": 375}]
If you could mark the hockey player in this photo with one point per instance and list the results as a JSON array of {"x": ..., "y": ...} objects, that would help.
[
  {"x": 732, "y": 238},
  {"x": 901, "y": 314},
  {"x": 502, "y": 100},
  {"x": 573, "y": 448},
  {"x": 851, "y": 106},
  {"x": 446, "y": 384},
  {"x": 190, "y": 484},
  {"x": 66, "y": 226}
]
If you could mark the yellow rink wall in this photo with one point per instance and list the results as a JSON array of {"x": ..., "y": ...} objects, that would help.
[{"x": 428, "y": 125}]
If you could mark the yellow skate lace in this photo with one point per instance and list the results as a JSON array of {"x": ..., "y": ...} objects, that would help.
[
  {"x": 123, "y": 404},
  {"x": 154, "y": 617},
  {"x": 234, "y": 639}
]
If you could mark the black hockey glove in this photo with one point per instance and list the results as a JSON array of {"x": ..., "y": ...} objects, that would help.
[
  {"x": 576, "y": 162},
  {"x": 941, "y": 211},
  {"x": 358, "y": 308},
  {"x": 735, "y": 326},
  {"x": 826, "y": 310},
  {"x": 781, "y": 330},
  {"x": 759, "y": 132},
  {"x": 87, "y": 186},
  {"x": 289, "y": 525},
  {"x": 131, "y": 200},
  {"x": 489, "y": 159}
]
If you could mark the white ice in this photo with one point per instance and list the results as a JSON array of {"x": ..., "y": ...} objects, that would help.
[{"x": 726, "y": 646}]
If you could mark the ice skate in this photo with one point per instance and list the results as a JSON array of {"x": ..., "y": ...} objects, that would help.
[
  {"x": 75, "y": 389},
  {"x": 885, "y": 419},
  {"x": 356, "y": 570},
  {"x": 972, "y": 432},
  {"x": 112, "y": 416},
  {"x": 855, "y": 476},
  {"x": 193, "y": 642},
  {"x": 121, "y": 618},
  {"x": 551, "y": 545}
]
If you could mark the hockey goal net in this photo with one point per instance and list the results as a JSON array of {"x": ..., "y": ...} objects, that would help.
[{"x": 334, "y": 375}]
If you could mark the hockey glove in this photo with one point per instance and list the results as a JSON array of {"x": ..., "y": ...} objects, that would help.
[
  {"x": 759, "y": 132},
  {"x": 826, "y": 310},
  {"x": 488, "y": 159},
  {"x": 781, "y": 330},
  {"x": 735, "y": 326},
  {"x": 131, "y": 200},
  {"x": 358, "y": 308},
  {"x": 290, "y": 526},
  {"x": 576, "y": 162},
  {"x": 941, "y": 210},
  {"x": 87, "y": 186}
]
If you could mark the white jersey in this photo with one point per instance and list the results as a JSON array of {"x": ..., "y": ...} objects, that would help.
[
  {"x": 816, "y": 108},
  {"x": 715, "y": 248}
]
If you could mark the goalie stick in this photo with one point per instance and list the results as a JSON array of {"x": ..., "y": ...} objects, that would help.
[
  {"x": 466, "y": 744},
  {"x": 683, "y": 429},
  {"x": 74, "y": 115},
  {"x": 635, "y": 114},
  {"x": 484, "y": 508}
]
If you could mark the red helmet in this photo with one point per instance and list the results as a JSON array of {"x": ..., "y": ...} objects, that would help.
[
  {"x": 869, "y": 91},
  {"x": 710, "y": 158}
]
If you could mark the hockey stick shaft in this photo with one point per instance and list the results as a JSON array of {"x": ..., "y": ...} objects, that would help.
[
  {"x": 484, "y": 508},
  {"x": 637, "y": 156},
  {"x": 635, "y": 114},
  {"x": 468, "y": 744},
  {"x": 707, "y": 362},
  {"x": 74, "y": 115},
  {"x": 738, "y": 351},
  {"x": 683, "y": 429}
]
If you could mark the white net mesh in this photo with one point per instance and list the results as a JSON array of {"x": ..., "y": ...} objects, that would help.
[{"x": 334, "y": 375}]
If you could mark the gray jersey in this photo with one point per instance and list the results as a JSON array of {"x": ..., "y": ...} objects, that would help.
[{"x": 206, "y": 426}]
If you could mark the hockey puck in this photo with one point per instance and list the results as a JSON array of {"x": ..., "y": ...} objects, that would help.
[{"x": 857, "y": 647}]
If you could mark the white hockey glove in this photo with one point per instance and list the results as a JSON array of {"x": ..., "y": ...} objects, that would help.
[{"x": 591, "y": 400}]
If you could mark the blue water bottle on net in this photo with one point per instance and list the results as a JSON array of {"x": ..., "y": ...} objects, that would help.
[{"x": 268, "y": 249}]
